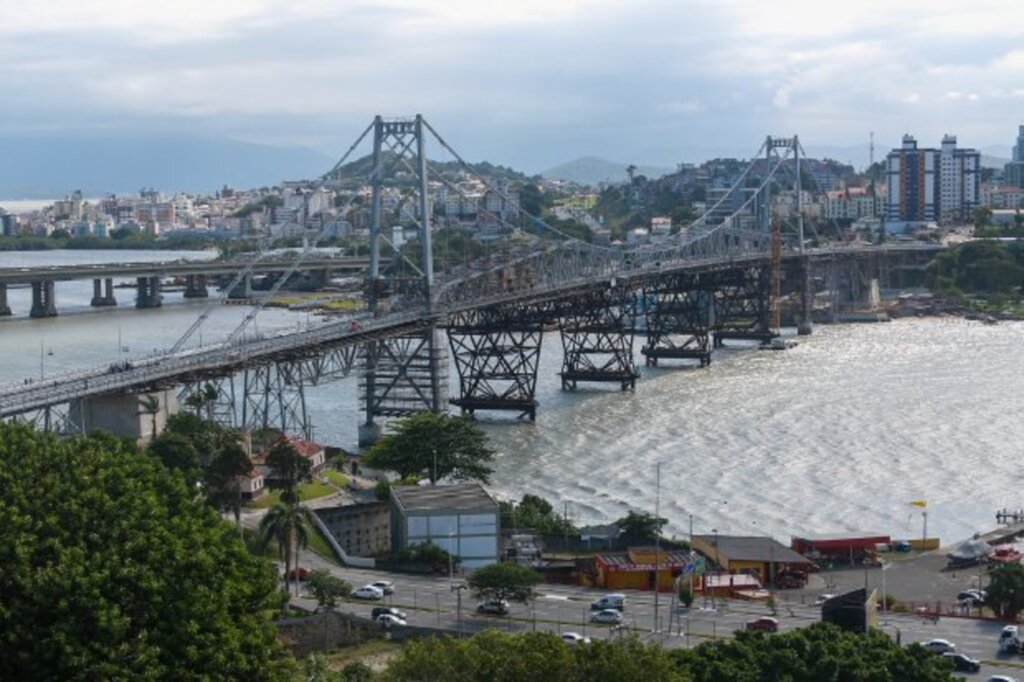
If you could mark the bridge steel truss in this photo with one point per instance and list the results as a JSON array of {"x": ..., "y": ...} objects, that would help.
[
  {"x": 496, "y": 351},
  {"x": 743, "y": 303},
  {"x": 679, "y": 314},
  {"x": 597, "y": 331}
]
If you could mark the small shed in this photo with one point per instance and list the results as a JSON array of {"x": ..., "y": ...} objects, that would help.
[
  {"x": 845, "y": 547},
  {"x": 760, "y": 555}
]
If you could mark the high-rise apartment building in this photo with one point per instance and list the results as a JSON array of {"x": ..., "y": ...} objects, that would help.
[
  {"x": 929, "y": 185},
  {"x": 1018, "y": 149}
]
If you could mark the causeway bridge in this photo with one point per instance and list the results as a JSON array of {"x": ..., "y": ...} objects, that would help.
[
  {"x": 719, "y": 279},
  {"x": 150, "y": 278}
]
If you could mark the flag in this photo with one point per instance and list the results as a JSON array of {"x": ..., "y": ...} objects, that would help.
[{"x": 919, "y": 503}]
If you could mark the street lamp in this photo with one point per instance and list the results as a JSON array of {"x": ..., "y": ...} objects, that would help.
[
  {"x": 458, "y": 603},
  {"x": 718, "y": 569}
]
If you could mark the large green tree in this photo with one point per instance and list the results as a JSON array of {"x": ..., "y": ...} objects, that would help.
[
  {"x": 110, "y": 568},
  {"x": 641, "y": 525},
  {"x": 177, "y": 453},
  {"x": 433, "y": 445},
  {"x": 507, "y": 581},
  {"x": 1005, "y": 592},
  {"x": 291, "y": 467}
]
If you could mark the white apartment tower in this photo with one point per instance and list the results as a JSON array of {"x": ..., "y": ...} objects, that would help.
[{"x": 959, "y": 181}]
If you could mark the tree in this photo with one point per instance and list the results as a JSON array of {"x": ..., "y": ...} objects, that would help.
[
  {"x": 510, "y": 582},
  {"x": 1005, "y": 593},
  {"x": 327, "y": 588},
  {"x": 150, "y": 404},
  {"x": 222, "y": 479},
  {"x": 433, "y": 445},
  {"x": 287, "y": 524},
  {"x": 641, "y": 525},
  {"x": 535, "y": 513},
  {"x": 111, "y": 569},
  {"x": 820, "y": 651},
  {"x": 290, "y": 466},
  {"x": 177, "y": 453}
]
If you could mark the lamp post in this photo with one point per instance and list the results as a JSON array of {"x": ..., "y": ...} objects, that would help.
[
  {"x": 458, "y": 604},
  {"x": 718, "y": 570},
  {"x": 657, "y": 542}
]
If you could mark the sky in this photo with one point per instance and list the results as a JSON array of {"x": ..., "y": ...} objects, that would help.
[{"x": 526, "y": 83}]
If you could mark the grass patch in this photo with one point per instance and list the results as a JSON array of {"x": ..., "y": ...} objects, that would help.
[
  {"x": 307, "y": 491},
  {"x": 318, "y": 543},
  {"x": 336, "y": 477}
]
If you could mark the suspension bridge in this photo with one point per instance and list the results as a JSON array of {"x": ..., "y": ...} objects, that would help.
[{"x": 722, "y": 277}]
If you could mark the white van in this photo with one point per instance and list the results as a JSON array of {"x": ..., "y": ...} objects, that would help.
[
  {"x": 1008, "y": 639},
  {"x": 609, "y": 601}
]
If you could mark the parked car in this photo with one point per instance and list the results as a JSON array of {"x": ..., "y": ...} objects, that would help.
[
  {"x": 368, "y": 592},
  {"x": 609, "y": 601},
  {"x": 389, "y": 619},
  {"x": 496, "y": 606},
  {"x": 385, "y": 586},
  {"x": 298, "y": 573},
  {"x": 1001, "y": 678},
  {"x": 939, "y": 646},
  {"x": 574, "y": 638},
  {"x": 764, "y": 624},
  {"x": 1009, "y": 640},
  {"x": 789, "y": 580},
  {"x": 609, "y": 616},
  {"x": 962, "y": 663},
  {"x": 382, "y": 610},
  {"x": 822, "y": 598}
]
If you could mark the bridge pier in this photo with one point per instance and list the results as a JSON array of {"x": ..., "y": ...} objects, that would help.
[
  {"x": 125, "y": 414},
  {"x": 403, "y": 375},
  {"x": 44, "y": 302},
  {"x": 678, "y": 314},
  {"x": 274, "y": 396},
  {"x": 243, "y": 289},
  {"x": 103, "y": 293},
  {"x": 743, "y": 305},
  {"x": 597, "y": 339},
  {"x": 195, "y": 286},
  {"x": 496, "y": 353},
  {"x": 148, "y": 294},
  {"x": 5, "y": 309},
  {"x": 805, "y": 326}
]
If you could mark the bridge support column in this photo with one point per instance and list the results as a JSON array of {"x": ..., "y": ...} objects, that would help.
[
  {"x": 99, "y": 297},
  {"x": 678, "y": 314},
  {"x": 496, "y": 352},
  {"x": 805, "y": 326},
  {"x": 743, "y": 304},
  {"x": 275, "y": 397},
  {"x": 44, "y": 303},
  {"x": 597, "y": 339},
  {"x": 148, "y": 295},
  {"x": 212, "y": 399},
  {"x": 403, "y": 375},
  {"x": 243, "y": 289},
  {"x": 195, "y": 286},
  {"x": 5, "y": 309},
  {"x": 132, "y": 415}
]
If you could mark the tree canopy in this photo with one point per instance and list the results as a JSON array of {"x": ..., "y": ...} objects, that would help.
[
  {"x": 641, "y": 525},
  {"x": 1005, "y": 592},
  {"x": 534, "y": 513},
  {"x": 435, "y": 446},
  {"x": 111, "y": 568},
  {"x": 510, "y": 582}
]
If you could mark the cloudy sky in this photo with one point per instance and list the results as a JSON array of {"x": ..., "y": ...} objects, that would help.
[{"x": 529, "y": 83}]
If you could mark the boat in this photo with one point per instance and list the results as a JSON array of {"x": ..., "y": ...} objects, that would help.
[{"x": 1005, "y": 554}]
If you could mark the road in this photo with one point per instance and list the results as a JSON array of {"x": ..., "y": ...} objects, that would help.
[{"x": 431, "y": 601}]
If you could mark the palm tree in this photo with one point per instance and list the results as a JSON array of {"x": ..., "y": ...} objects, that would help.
[
  {"x": 288, "y": 525},
  {"x": 150, "y": 405}
]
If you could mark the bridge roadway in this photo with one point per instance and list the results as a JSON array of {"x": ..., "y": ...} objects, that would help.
[
  {"x": 223, "y": 360},
  {"x": 165, "y": 269}
]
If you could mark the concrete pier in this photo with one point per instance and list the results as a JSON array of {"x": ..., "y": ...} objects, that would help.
[
  {"x": 5, "y": 309},
  {"x": 103, "y": 293},
  {"x": 148, "y": 295},
  {"x": 195, "y": 286},
  {"x": 44, "y": 302},
  {"x": 243, "y": 289}
]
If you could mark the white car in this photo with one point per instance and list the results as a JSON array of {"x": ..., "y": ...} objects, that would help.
[
  {"x": 389, "y": 619},
  {"x": 610, "y": 616},
  {"x": 939, "y": 646},
  {"x": 574, "y": 638},
  {"x": 1001, "y": 678},
  {"x": 822, "y": 598},
  {"x": 368, "y": 592},
  {"x": 385, "y": 586}
]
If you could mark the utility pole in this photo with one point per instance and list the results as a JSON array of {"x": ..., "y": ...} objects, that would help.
[{"x": 657, "y": 540}]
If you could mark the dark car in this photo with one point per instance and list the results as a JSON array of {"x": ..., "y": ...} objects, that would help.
[
  {"x": 298, "y": 573},
  {"x": 962, "y": 663},
  {"x": 764, "y": 624},
  {"x": 390, "y": 610}
]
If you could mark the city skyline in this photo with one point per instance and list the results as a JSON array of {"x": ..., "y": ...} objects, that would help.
[{"x": 530, "y": 86}]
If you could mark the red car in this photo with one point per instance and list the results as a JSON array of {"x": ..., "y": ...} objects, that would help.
[
  {"x": 298, "y": 573},
  {"x": 764, "y": 624}
]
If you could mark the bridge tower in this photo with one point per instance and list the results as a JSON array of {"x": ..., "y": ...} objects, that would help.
[{"x": 404, "y": 374}]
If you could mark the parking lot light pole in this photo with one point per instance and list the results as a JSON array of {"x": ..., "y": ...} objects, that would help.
[{"x": 458, "y": 604}]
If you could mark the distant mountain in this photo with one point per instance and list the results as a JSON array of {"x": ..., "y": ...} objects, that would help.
[
  {"x": 591, "y": 170},
  {"x": 41, "y": 167}
]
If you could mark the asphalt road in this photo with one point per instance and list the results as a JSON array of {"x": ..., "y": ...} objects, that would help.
[{"x": 431, "y": 601}]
